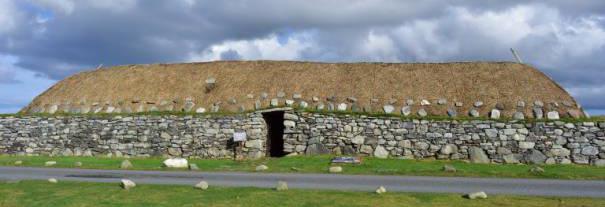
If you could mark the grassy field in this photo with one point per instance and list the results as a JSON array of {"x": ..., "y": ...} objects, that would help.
[
  {"x": 41, "y": 193},
  {"x": 320, "y": 164}
]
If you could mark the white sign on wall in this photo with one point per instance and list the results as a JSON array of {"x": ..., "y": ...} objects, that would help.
[{"x": 239, "y": 136}]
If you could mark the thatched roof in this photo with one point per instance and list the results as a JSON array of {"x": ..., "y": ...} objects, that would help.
[{"x": 490, "y": 82}]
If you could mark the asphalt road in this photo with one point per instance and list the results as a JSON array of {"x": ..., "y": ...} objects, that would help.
[{"x": 541, "y": 187}]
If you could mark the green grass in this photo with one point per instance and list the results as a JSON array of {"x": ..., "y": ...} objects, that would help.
[
  {"x": 40, "y": 193},
  {"x": 320, "y": 164}
]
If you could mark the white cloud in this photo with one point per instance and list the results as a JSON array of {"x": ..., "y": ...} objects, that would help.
[
  {"x": 113, "y": 5},
  {"x": 8, "y": 15},
  {"x": 263, "y": 48},
  {"x": 63, "y": 6},
  {"x": 69, "y": 6},
  {"x": 377, "y": 47}
]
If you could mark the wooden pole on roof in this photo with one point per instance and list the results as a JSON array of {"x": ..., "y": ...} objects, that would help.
[{"x": 517, "y": 58}]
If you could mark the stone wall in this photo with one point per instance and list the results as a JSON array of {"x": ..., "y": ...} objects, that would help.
[
  {"x": 479, "y": 141},
  {"x": 182, "y": 136},
  {"x": 307, "y": 133}
]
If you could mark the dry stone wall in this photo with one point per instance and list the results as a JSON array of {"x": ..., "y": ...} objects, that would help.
[
  {"x": 305, "y": 133},
  {"x": 480, "y": 141},
  {"x": 177, "y": 136}
]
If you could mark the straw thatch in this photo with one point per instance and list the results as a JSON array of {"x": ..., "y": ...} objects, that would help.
[{"x": 489, "y": 82}]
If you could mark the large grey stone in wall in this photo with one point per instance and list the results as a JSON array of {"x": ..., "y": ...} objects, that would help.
[
  {"x": 477, "y": 155},
  {"x": 535, "y": 157},
  {"x": 289, "y": 124},
  {"x": 449, "y": 149},
  {"x": 290, "y": 116},
  {"x": 381, "y": 152},
  {"x": 491, "y": 133},
  {"x": 560, "y": 152},
  {"x": 358, "y": 140},
  {"x": 590, "y": 150},
  {"x": 527, "y": 145},
  {"x": 317, "y": 149}
]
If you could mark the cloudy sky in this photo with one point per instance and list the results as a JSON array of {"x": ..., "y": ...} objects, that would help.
[{"x": 43, "y": 41}]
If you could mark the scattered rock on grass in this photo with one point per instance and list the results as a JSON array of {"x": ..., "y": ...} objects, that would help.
[
  {"x": 476, "y": 195},
  {"x": 381, "y": 190},
  {"x": 335, "y": 169},
  {"x": 261, "y": 168},
  {"x": 52, "y": 180},
  {"x": 449, "y": 168},
  {"x": 281, "y": 186},
  {"x": 18, "y": 162},
  {"x": 126, "y": 164},
  {"x": 50, "y": 163},
  {"x": 599, "y": 163},
  {"x": 536, "y": 170},
  {"x": 78, "y": 164},
  {"x": 176, "y": 163},
  {"x": 202, "y": 185},
  {"x": 127, "y": 184},
  {"x": 193, "y": 166}
]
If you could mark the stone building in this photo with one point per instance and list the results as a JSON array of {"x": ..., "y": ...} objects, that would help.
[{"x": 485, "y": 112}]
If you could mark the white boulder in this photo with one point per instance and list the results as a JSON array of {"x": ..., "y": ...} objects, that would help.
[
  {"x": 176, "y": 163},
  {"x": 202, "y": 185},
  {"x": 127, "y": 184}
]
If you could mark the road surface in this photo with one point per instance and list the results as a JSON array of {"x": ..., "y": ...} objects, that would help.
[{"x": 542, "y": 187}]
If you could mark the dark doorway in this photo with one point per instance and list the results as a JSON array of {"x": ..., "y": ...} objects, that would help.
[{"x": 275, "y": 133}]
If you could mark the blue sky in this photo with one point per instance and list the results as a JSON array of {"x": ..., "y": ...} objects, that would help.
[{"x": 43, "y": 41}]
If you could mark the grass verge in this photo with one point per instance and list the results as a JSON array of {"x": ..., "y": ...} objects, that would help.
[
  {"x": 40, "y": 193},
  {"x": 320, "y": 164}
]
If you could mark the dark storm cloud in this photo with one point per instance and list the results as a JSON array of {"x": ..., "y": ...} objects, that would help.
[{"x": 79, "y": 35}]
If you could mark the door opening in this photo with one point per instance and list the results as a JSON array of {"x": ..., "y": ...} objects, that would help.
[{"x": 275, "y": 133}]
